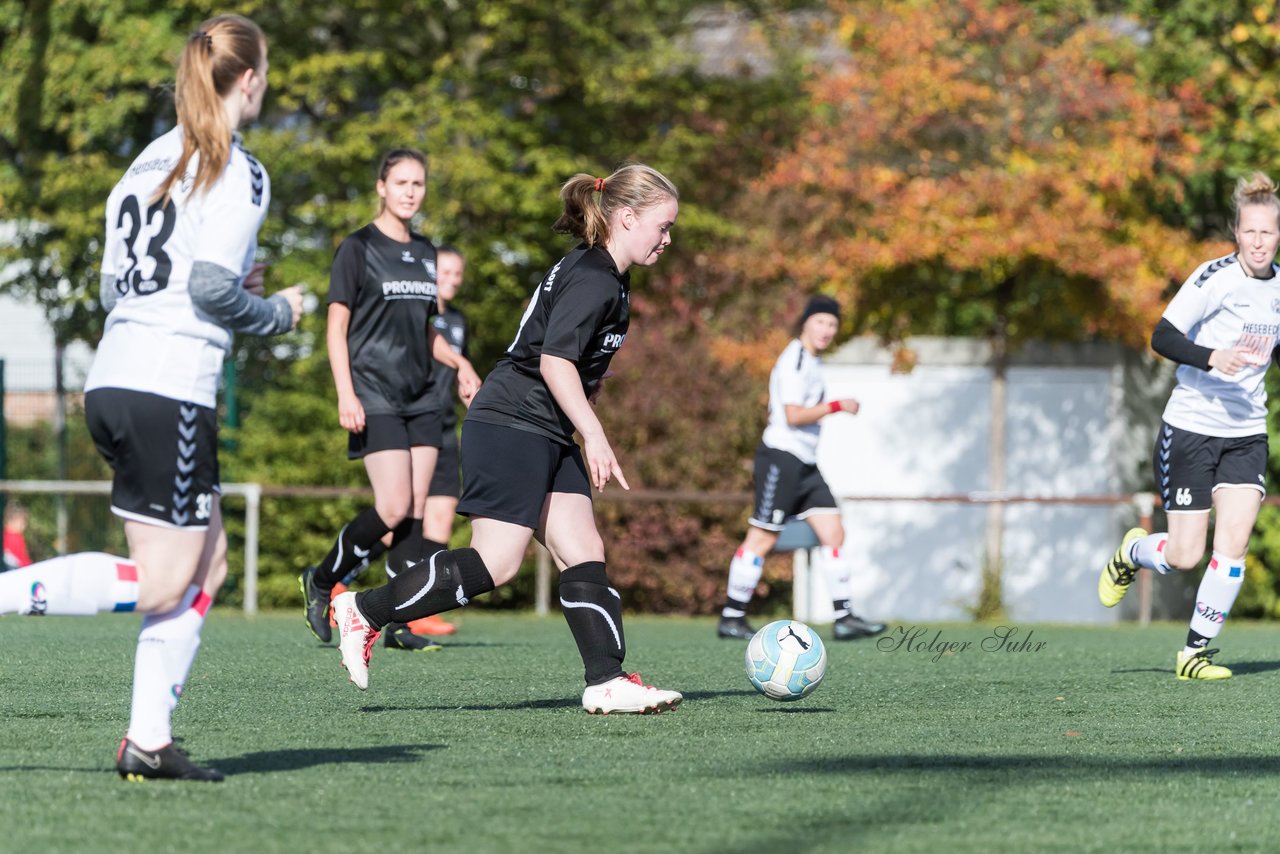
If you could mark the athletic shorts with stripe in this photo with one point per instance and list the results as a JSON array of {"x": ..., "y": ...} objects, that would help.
[
  {"x": 1190, "y": 467},
  {"x": 508, "y": 473},
  {"x": 164, "y": 453},
  {"x": 787, "y": 487}
]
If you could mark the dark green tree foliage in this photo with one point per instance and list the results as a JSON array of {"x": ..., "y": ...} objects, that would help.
[{"x": 509, "y": 99}]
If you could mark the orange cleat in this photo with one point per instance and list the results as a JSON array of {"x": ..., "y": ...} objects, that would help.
[
  {"x": 432, "y": 625},
  {"x": 338, "y": 589}
]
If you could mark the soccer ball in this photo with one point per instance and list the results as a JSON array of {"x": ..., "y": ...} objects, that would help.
[{"x": 786, "y": 660}]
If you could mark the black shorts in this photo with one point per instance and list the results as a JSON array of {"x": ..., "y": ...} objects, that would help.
[
  {"x": 164, "y": 454},
  {"x": 1189, "y": 467},
  {"x": 507, "y": 474},
  {"x": 446, "y": 480},
  {"x": 395, "y": 433},
  {"x": 787, "y": 487}
]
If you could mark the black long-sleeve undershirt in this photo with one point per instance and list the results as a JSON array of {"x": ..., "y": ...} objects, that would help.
[{"x": 1172, "y": 343}]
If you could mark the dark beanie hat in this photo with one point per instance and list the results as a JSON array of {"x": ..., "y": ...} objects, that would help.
[{"x": 819, "y": 304}]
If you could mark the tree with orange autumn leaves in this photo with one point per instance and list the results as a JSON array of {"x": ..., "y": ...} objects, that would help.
[
  {"x": 975, "y": 168},
  {"x": 978, "y": 169}
]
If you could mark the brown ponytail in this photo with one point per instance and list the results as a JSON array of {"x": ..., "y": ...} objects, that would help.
[
  {"x": 589, "y": 202},
  {"x": 215, "y": 55}
]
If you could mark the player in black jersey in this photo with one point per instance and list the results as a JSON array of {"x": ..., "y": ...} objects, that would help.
[
  {"x": 175, "y": 291},
  {"x": 382, "y": 295},
  {"x": 522, "y": 474},
  {"x": 446, "y": 481}
]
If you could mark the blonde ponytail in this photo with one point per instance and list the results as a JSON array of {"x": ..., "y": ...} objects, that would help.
[
  {"x": 213, "y": 59},
  {"x": 589, "y": 202}
]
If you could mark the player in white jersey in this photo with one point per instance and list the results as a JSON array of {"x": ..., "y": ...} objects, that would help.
[
  {"x": 1211, "y": 451},
  {"x": 788, "y": 483},
  {"x": 178, "y": 278}
]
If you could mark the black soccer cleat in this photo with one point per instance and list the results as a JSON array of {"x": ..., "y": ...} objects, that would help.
[
  {"x": 315, "y": 604},
  {"x": 168, "y": 763},
  {"x": 735, "y": 627},
  {"x": 398, "y": 636},
  {"x": 852, "y": 627}
]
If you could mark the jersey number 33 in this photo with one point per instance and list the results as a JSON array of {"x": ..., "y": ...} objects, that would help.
[{"x": 149, "y": 266}]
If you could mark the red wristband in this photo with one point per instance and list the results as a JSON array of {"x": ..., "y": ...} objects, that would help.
[{"x": 833, "y": 406}]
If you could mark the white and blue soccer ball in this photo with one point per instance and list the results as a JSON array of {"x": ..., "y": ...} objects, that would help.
[{"x": 786, "y": 660}]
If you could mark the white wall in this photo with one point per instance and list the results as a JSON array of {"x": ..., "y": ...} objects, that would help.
[
  {"x": 26, "y": 345},
  {"x": 926, "y": 433}
]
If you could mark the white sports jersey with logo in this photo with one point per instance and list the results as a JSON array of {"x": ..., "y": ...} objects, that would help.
[
  {"x": 156, "y": 340},
  {"x": 1221, "y": 306},
  {"x": 796, "y": 380}
]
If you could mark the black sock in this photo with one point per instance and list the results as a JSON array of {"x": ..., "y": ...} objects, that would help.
[
  {"x": 447, "y": 580},
  {"x": 404, "y": 546},
  {"x": 430, "y": 547},
  {"x": 594, "y": 614},
  {"x": 354, "y": 545},
  {"x": 376, "y": 551}
]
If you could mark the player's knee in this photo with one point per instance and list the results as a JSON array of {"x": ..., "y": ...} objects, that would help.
[
  {"x": 160, "y": 599},
  {"x": 1183, "y": 559},
  {"x": 502, "y": 572},
  {"x": 392, "y": 512}
]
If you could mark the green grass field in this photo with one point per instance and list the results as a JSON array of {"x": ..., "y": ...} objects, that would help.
[{"x": 1088, "y": 743}]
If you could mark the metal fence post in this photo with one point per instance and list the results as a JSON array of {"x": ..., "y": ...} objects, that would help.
[{"x": 253, "y": 504}]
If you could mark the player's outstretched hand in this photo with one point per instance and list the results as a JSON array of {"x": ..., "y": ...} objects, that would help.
[
  {"x": 350, "y": 413},
  {"x": 468, "y": 382},
  {"x": 849, "y": 405},
  {"x": 601, "y": 463},
  {"x": 1229, "y": 360},
  {"x": 253, "y": 283},
  {"x": 294, "y": 296}
]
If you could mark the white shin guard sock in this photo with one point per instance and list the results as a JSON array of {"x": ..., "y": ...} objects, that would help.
[
  {"x": 1148, "y": 552},
  {"x": 835, "y": 571},
  {"x": 1217, "y": 594},
  {"x": 71, "y": 585},
  {"x": 744, "y": 574},
  {"x": 167, "y": 647}
]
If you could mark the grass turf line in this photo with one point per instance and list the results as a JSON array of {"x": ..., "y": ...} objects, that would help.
[{"x": 1088, "y": 743}]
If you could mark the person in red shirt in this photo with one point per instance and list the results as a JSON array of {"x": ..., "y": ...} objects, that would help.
[{"x": 15, "y": 539}]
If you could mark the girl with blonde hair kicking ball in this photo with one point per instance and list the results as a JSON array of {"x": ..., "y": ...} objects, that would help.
[
  {"x": 1211, "y": 451},
  {"x": 523, "y": 475},
  {"x": 178, "y": 279}
]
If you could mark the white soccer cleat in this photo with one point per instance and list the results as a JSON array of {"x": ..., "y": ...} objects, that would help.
[
  {"x": 355, "y": 638},
  {"x": 628, "y": 695}
]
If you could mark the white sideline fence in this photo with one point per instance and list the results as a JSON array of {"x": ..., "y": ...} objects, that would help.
[{"x": 810, "y": 599}]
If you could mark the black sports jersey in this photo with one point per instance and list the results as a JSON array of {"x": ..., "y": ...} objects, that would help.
[
  {"x": 579, "y": 312},
  {"x": 390, "y": 288},
  {"x": 452, "y": 325}
]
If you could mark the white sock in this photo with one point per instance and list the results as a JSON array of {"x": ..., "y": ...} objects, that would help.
[
  {"x": 1218, "y": 590},
  {"x": 835, "y": 570},
  {"x": 744, "y": 574},
  {"x": 71, "y": 585},
  {"x": 167, "y": 647},
  {"x": 1148, "y": 552}
]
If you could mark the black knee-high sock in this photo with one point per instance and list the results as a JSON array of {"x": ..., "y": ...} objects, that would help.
[
  {"x": 430, "y": 547},
  {"x": 376, "y": 551},
  {"x": 446, "y": 580},
  {"x": 354, "y": 545},
  {"x": 404, "y": 546},
  {"x": 594, "y": 614}
]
